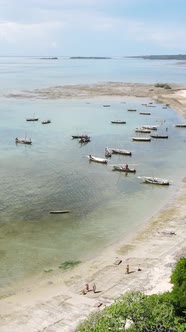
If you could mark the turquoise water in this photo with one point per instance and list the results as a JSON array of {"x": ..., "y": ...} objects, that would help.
[{"x": 54, "y": 173}]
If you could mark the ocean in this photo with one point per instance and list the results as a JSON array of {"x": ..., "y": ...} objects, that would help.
[{"x": 54, "y": 173}]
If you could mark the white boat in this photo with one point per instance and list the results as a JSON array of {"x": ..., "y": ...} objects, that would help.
[
  {"x": 143, "y": 130},
  {"x": 151, "y": 127},
  {"x": 108, "y": 152},
  {"x": 97, "y": 159},
  {"x": 154, "y": 180},
  {"x": 23, "y": 140},
  {"x": 123, "y": 169},
  {"x": 121, "y": 151},
  {"x": 141, "y": 139}
]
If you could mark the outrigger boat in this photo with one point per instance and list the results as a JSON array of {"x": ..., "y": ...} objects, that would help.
[
  {"x": 97, "y": 160},
  {"x": 23, "y": 140},
  {"x": 121, "y": 151},
  {"x": 154, "y": 180},
  {"x": 141, "y": 139},
  {"x": 118, "y": 121},
  {"x": 124, "y": 169}
]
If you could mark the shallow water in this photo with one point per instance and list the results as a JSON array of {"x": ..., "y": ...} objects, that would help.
[{"x": 54, "y": 173}]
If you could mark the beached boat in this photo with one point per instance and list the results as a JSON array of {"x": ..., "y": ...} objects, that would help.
[
  {"x": 159, "y": 136},
  {"x": 46, "y": 121},
  {"x": 124, "y": 169},
  {"x": 143, "y": 130},
  {"x": 154, "y": 180},
  {"x": 108, "y": 152},
  {"x": 151, "y": 127},
  {"x": 181, "y": 125},
  {"x": 23, "y": 140},
  {"x": 145, "y": 113},
  {"x": 121, "y": 151},
  {"x": 141, "y": 139},
  {"x": 118, "y": 121},
  {"x": 97, "y": 159},
  {"x": 59, "y": 211}
]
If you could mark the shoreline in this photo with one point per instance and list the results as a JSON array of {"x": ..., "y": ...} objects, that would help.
[{"x": 56, "y": 302}]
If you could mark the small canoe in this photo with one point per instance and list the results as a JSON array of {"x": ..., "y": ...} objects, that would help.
[
  {"x": 32, "y": 119},
  {"x": 145, "y": 113},
  {"x": 131, "y": 110},
  {"x": 118, "y": 121},
  {"x": 97, "y": 159},
  {"x": 143, "y": 130},
  {"x": 141, "y": 139},
  {"x": 121, "y": 151},
  {"x": 23, "y": 140},
  {"x": 59, "y": 211},
  {"x": 46, "y": 121},
  {"x": 159, "y": 136},
  {"x": 181, "y": 125},
  {"x": 124, "y": 169}
]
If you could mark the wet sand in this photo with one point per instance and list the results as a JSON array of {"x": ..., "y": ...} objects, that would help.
[{"x": 55, "y": 302}]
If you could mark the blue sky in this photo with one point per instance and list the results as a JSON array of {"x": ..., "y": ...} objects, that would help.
[{"x": 92, "y": 27}]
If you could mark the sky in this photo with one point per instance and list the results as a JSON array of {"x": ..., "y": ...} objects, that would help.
[{"x": 92, "y": 27}]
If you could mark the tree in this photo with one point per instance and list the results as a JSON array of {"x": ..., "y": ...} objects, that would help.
[{"x": 178, "y": 294}]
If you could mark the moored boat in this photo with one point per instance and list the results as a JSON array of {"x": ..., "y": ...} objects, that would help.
[
  {"x": 181, "y": 125},
  {"x": 141, "y": 139},
  {"x": 59, "y": 211},
  {"x": 23, "y": 140},
  {"x": 154, "y": 180},
  {"x": 159, "y": 136},
  {"x": 32, "y": 119},
  {"x": 84, "y": 139},
  {"x": 122, "y": 151},
  {"x": 131, "y": 110},
  {"x": 46, "y": 121},
  {"x": 97, "y": 159},
  {"x": 145, "y": 113},
  {"x": 108, "y": 152},
  {"x": 118, "y": 121},
  {"x": 151, "y": 127},
  {"x": 124, "y": 169},
  {"x": 143, "y": 130}
]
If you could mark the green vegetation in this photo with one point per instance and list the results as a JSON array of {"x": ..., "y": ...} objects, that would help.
[
  {"x": 153, "y": 313},
  {"x": 68, "y": 264},
  {"x": 162, "y": 85}
]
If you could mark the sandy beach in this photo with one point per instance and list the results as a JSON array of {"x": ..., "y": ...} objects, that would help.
[{"x": 56, "y": 302}]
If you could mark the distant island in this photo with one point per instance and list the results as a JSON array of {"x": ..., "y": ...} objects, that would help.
[
  {"x": 50, "y": 58},
  {"x": 161, "y": 57},
  {"x": 90, "y": 57}
]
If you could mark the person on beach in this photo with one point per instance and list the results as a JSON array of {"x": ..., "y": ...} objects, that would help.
[
  {"x": 94, "y": 288},
  {"x": 127, "y": 269},
  {"x": 139, "y": 268},
  {"x": 87, "y": 287}
]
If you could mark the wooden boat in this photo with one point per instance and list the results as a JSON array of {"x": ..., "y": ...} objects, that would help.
[
  {"x": 46, "y": 121},
  {"x": 143, "y": 130},
  {"x": 123, "y": 169},
  {"x": 121, "y": 151},
  {"x": 118, "y": 121},
  {"x": 151, "y": 127},
  {"x": 154, "y": 180},
  {"x": 108, "y": 152},
  {"x": 131, "y": 110},
  {"x": 106, "y": 105},
  {"x": 78, "y": 136},
  {"x": 159, "y": 136},
  {"x": 59, "y": 211},
  {"x": 145, "y": 113},
  {"x": 181, "y": 125},
  {"x": 141, "y": 139},
  {"x": 23, "y": 140},
  {"x": 84, "y": 139},
  {"x": 97, "y": 160},
  {"x": 32, "y": 119}
]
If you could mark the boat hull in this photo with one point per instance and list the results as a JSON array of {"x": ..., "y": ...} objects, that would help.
[{"x": 123, "y": 169}]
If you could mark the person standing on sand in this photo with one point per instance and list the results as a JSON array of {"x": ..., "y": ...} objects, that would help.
[
  {"x": 127, "y": 269},
  {"x": 94, "y": 288},
  {"x": 87, "y": 287}
]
